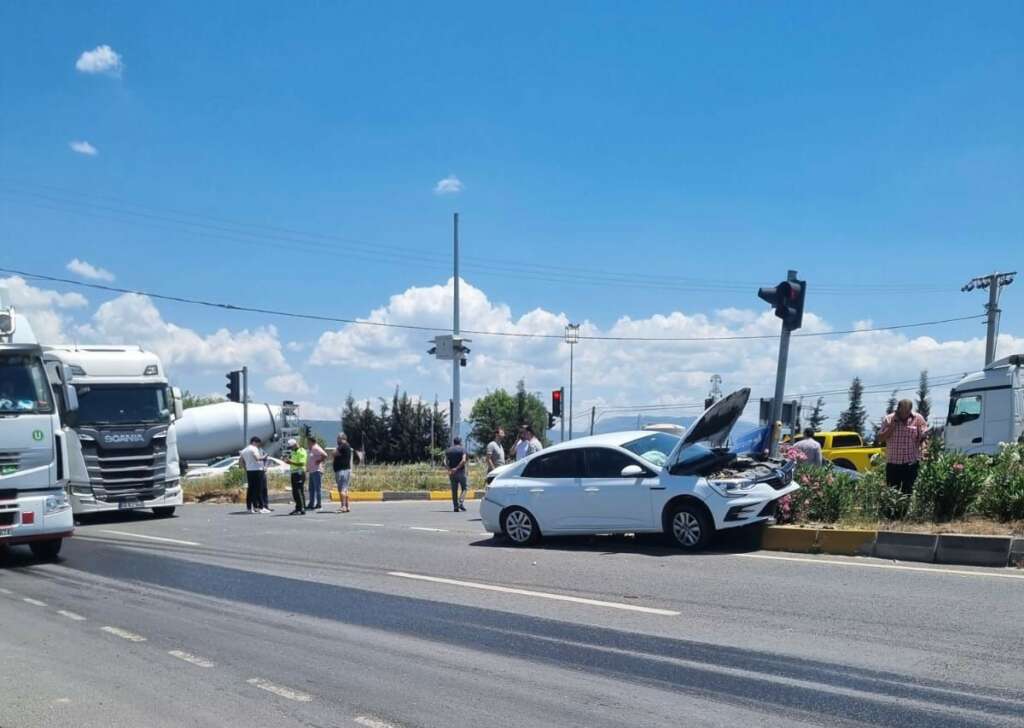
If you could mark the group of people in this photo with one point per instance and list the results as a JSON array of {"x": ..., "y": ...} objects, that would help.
[
  {"x": 306, "y": 464},
  {"x": 457, "y": 459},
  {"x": 903, "y": 432}
]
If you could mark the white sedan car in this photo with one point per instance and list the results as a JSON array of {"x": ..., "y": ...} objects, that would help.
[
  {"x": 222, "y": 466},
  {"x": 639, "y": 482}
]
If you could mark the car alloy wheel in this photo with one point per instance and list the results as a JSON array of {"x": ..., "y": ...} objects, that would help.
[
  {"x": 689, "y": 527},
  {"x": 686, "y": 528},
  {"x": 519, "y": 527}
]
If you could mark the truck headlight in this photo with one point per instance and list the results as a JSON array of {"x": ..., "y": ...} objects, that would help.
[
  {"x": 731, "y": 488},
  {"x": 55, "y": 503}
]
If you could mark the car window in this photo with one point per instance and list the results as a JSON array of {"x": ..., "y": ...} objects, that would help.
[
  {"x": 602, "y": 462},
  {"x": 655, "y": 448},
  {"x": 846, "y": 441},
  {"x": 966, "y": 408},
  {"x": 820, "y": 439},
  {"x": 558, "y": 464}
]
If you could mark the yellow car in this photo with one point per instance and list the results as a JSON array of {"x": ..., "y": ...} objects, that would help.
[{"x": 846, "y": 450}]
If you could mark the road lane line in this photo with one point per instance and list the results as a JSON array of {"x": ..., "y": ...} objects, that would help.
[
  {"x": 542, "y": 595},
  {"x": 278, "y": 690},
  {"x": 371, "y": 722},
  {"x": 424, "y": 528},
  {"x": 375, "y": 525},
  {"x": 899, "y": 567},
  {"x": 34, "y": 602},
  {"x": 149, "y": 538},
  {"x": 71, "y": 615},
  {"x": 124, "y": 634},
  {"x": 190, "y": 658},
  {"x": 5, "y": 591}
]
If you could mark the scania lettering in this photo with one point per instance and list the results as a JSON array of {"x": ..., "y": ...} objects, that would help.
[
  {"x": 34, "y": 507},
  {"x": 122, "y": 447}
]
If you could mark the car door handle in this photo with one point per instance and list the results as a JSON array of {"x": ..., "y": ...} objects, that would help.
[
  {"x": 591, "y": 490},
  {"x": 976, "y": 440}
]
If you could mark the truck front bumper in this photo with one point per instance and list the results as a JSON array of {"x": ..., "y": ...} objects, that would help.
[
  {"x": 31, "y": 517},
  {"x": 84, "y": 501}
]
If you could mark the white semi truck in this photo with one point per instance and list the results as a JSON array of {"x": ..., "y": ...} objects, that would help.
[
  {"x": 34, "y": 507},
  {"x": 121, "y": 444},
  {"x": 986, "y": 408}
]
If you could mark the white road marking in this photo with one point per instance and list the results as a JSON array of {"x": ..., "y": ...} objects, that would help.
[
  {"x": 5, "y": 591},
  {"x": 34, "y": 602},
  {"x": 424, "y": 528},
  {"x": 124, "y": 634},
  {"x": 278, "y": 690},
  {"x": 149, "y": 538},
  {"x": 71, "y": 615},
  {"x": 542, "y": 595},
  {"x": 371, "y": 722},
  {"x": 900, "y": 567},
  {"x": 193, "y": 659},
  {"x": 375, "y": 525}
]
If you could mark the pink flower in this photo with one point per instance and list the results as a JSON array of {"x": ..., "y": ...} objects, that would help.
[
  {"x": 958, "y": 467},
  {"x": 806, "y": 480}
]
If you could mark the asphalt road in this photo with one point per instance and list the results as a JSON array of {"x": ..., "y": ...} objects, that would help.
[{"x": 405, "y": 614}]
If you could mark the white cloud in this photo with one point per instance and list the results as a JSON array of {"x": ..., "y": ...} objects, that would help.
[
  {"x": 88, "y": 270},
  {"x": 83, "y": 147},
  {"x": 101, "y": 59},
  {"x": 450, "y": 185},
  {"x": 291, "y": 384},
  {"x": 44, "y": 309}
]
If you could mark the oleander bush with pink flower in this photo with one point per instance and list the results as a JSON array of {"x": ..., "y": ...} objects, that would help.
[{"x": 1002, "y": 492}]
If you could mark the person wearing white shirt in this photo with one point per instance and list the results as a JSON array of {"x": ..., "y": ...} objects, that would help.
[{"x": 254, "y": 460}]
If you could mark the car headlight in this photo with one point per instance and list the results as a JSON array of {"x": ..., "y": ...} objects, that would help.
[
  {"x": 731, "y": 488},
  {"x": 56, "y": 503}
]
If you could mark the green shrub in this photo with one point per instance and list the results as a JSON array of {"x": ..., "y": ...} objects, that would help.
[
  {"x": 948, "y": 484},
  {"x": 1002, "y": 492},
  {"x": 874, "y": 500},
  {"x": 825, "y": 496}
]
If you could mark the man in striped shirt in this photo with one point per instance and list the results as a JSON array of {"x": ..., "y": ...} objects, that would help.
[{"x": 903, "y": 432}]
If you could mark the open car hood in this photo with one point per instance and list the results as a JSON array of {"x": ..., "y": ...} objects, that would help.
[{"x": 718, "y": 420}]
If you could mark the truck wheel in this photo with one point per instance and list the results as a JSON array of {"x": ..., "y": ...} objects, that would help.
[
  {"x": 46, "y": 550},
  {"x": 163, "y": 511}
]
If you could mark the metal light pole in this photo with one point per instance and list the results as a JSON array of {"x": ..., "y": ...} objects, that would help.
[
  {"x": 994, "y": 282},
  {"x": 457, "y": 360},
  {"x": 780, "y": 379},
  {"x": 572, "y": 337}
]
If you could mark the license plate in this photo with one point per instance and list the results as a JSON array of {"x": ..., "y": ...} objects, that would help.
[
  {"x": 122, "y": 505},
  {"x": 6, "y": 531}
]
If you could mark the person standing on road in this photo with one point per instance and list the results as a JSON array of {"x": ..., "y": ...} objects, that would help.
[
  {"x": 495, "y": 453},
  {"x": 522, "y": 447},
  {"x": 534, "y": 445},
  {"x": 903, "y": 432},
  {"x": 809, "y": 447},
  {"x": 297, "y": 461},
  {"x": 253, "y": 459},
  {"x": 315, "y": 468},
  {"x": 343, "y": 470},
  {"x": 455, "y": 459}
]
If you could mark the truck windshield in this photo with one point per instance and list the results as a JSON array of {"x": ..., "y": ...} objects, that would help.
[
  {"x": 122, "y": 404},
  {"x": 23, "y": 386}
]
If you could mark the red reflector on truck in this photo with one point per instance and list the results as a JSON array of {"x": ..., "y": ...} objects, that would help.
[{"x": 28, "y": 517}]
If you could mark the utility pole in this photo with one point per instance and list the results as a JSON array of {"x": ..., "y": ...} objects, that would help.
[
  {"x": 572, "y": 337},
  {"x": 456, "y": 415},
  {"x": 245, "y": 406},
  {"x": 994, "y": 282},
  {"x": 593, "y": 416},
  {"x": 561, "y": 399}
]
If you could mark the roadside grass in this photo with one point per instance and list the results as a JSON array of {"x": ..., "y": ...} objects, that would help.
[{"x": 230, "y": 488}]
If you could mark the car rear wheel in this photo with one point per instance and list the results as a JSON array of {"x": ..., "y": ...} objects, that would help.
[
  {"x": 689, "y": 527},
  {"x": 520, "y": 527},
  {"x": 46, "y": 550},
  {"x": 163, "y": 511}
]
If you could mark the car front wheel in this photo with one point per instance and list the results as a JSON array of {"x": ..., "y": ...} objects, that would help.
[
  {"x": 689, "y": 527},
  {"x": 520, "y": 527}
]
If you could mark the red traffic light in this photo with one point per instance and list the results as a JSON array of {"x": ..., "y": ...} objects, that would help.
[{"x": 556, "y": 403}]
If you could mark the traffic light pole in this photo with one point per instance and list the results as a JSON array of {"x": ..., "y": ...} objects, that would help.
[
  {"x": 245, "y": 406},
  {"x": 780, "y": 381},
  {"x": 456, "y": 362},
  {"x": 561, "y": 398}
]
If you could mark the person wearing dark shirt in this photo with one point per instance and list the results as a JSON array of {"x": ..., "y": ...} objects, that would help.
[
  {"x": 342, "y": 466},
  {"x": 455, "y": 460}
]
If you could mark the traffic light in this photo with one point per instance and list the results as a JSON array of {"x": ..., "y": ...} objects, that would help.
[
  {"x": 235, "y": 386},
  {"x": 708, "y": 401},
  {"x": 556, "y": 403},
  {"x": 551, "y": 421},
  {"x": 787, "y": 299}
]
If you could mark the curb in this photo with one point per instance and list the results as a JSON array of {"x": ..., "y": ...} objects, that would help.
[
  {"x": 401, "y": 495},
  {"x": 998, "y": 551}
]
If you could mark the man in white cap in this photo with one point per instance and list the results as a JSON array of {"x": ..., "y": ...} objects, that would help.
[{"x": 297, "y": 461}]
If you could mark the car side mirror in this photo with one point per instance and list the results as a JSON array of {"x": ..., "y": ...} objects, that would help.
[
  {"x": 178, "y": 407},
  {"x": 632, "y": 471}
]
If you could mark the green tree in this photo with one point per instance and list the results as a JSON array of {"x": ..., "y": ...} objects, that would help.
[
  {"x": 817, "y": 416},
  {"x": 189, "y": 399},
  {"x": 854, "y": 417},
  {"x": 509, "y": 411},
  {"x": 890, "y": 406},
  {"x": 397, "y": 432},
  {"x": 924, "y": 403}
]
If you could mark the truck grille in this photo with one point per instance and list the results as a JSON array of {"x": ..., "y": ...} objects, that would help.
[{"x": 127, "y": 473}]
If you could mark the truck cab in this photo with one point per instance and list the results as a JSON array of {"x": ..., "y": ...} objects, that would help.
[
  {"x": 987, "y": 408},
  {"x": 34, "y": 507},
  {"x": 121, "y": 443}
]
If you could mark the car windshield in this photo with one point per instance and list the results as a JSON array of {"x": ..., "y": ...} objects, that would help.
[
  {"x": 23, "y": 386},
  {"x": 112, "y": 404},
  {"x": 654, "y": 448},
  {"x": 224, "y": 462}
]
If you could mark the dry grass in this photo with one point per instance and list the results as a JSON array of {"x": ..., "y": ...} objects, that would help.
[{"x": 972, "y": 525}]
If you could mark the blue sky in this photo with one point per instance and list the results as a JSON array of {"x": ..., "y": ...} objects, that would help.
[{"x": 875, "y": 147}]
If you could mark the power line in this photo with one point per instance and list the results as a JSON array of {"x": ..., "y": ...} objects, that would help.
[{"x": 414, "y": 327}]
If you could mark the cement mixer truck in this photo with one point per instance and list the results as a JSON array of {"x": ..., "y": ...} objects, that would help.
[{"x": 223, "y": 428}]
